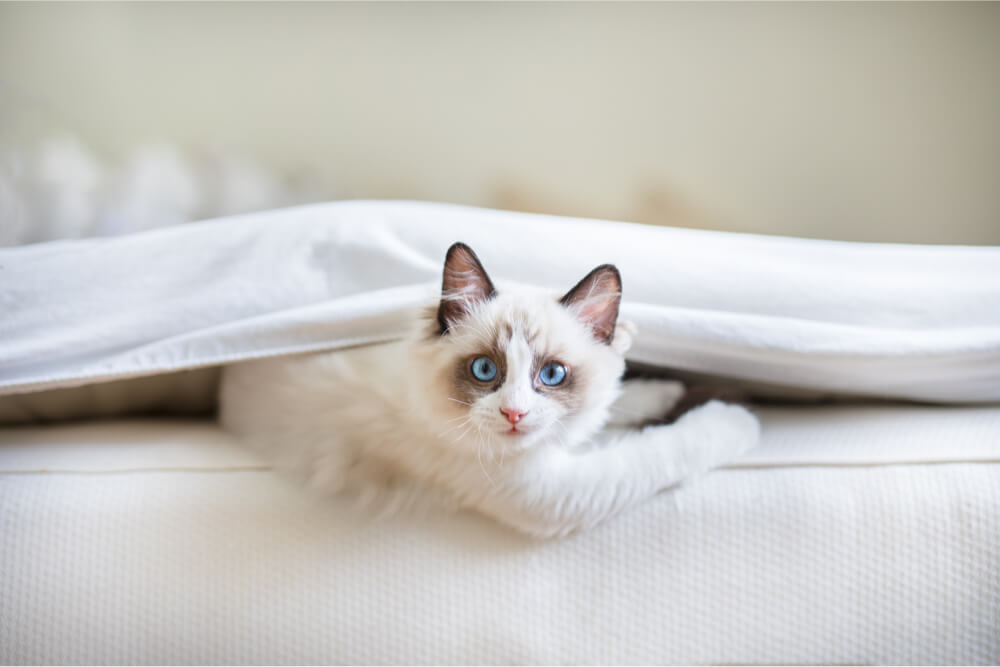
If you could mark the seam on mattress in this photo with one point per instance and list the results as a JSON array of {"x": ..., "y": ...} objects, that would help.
[{"x": 852, "y": 464}]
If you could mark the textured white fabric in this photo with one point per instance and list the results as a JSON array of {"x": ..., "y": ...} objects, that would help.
[
  {"x": 188, "y": 553},
  {"x": 904, "y": 321}
]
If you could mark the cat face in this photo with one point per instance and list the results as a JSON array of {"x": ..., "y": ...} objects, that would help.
[{"x": 515, "y": 368}]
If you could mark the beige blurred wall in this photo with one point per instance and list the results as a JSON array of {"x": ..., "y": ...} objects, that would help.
[{"x": 855, "y": 121}]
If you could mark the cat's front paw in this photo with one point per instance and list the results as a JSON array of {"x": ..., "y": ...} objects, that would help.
[{"x": 724, "y": 431}]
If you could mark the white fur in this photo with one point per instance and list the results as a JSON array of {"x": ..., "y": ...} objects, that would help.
[{"x": 379, "y": 421}]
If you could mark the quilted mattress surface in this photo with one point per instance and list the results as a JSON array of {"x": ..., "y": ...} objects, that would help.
[{"x": 853, "y": 535}]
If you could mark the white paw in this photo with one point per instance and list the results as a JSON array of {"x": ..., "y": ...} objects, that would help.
[{"x": 723, "y": 431}]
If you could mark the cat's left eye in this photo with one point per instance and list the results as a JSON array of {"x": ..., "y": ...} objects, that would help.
[{"x": 552, "y": 374}]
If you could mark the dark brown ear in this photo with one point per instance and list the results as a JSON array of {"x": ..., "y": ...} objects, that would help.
[
  {"x": 595, "y": 301},
  {"x": 464, "y": 285}
]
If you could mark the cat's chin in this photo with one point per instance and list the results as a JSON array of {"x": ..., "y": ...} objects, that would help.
[{"x": 517, "y": 440}]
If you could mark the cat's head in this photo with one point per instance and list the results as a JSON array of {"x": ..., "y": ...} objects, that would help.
[{"x": 516, "y": 367}]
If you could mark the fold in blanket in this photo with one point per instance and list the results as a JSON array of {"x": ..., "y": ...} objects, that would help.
[{"x": 891, "y": 321}]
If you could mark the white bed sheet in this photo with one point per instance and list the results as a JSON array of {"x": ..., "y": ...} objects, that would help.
[
  {"x": 915, "y": 322},
  {"x": 838, "y": 541}
]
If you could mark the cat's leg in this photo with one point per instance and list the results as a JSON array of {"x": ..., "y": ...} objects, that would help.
[
  {"x": 644, "y": 400},
  {"x": 557, "y": 491}
]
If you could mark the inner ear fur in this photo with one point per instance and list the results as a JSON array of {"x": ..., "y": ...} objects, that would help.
[
  {"x": 595, "y": 301},
  {"x": 464, "y": 284}
]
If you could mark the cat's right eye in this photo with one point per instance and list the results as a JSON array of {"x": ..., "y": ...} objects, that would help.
[{"x": 483, "y": 369}]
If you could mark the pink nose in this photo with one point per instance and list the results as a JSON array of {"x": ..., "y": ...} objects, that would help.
[{"x": 513, "y": 416}]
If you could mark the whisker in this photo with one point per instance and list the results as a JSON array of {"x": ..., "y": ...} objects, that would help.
[
  {"x": 461, "y": 436},
  {"x": 493, "y": 454},
  {"x": 479, "y": 457},
  {"x": 455, "y": 427},
  {"x": 563, "y": 435}
]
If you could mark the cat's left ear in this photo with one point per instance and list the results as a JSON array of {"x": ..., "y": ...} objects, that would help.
[
  {"x": 464, "y": 285},
  {"x": 595, "y": 301}
]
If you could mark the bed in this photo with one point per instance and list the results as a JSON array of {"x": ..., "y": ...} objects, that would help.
[{"x": 865, "y": 529}]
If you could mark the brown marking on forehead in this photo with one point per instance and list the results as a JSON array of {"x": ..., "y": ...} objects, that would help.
[
  {"x": 501, "y": 337},
  {"x": 505, "y": 332},
  {"x": 531, "y": 334}
]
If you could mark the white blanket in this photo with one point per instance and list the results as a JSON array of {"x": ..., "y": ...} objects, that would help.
[{"x": 914, "y": 322}]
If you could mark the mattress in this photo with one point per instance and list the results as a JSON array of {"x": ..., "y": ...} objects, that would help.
[{"x": 855, "y": 534}]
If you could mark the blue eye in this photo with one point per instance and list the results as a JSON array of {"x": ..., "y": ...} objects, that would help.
[
  {"x": 483, "y": 369},
  {"x": 552, "y": 374}
]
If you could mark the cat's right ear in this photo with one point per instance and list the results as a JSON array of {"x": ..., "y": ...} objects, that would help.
[
  {"x": 595, "y": 301},
  {"x": 464, "y": 285}
]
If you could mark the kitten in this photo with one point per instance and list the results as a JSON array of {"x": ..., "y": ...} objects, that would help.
[{"x": 507, "y": 402}]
